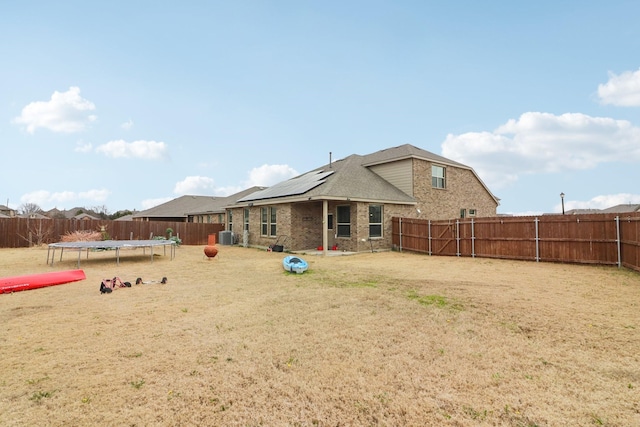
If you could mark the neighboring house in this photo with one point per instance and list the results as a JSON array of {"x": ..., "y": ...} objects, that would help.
[
  {"x": 624, "y": 208},
  {"x": 84, "y": 217},
  {"x": 349, "y": 203},
  {"x": 7, "y": 211},
  {"x": 33, "y": 215},
  {"x": 177, "y": 209},
  {"x": 215, "y": 212},
  {"x": 205, "y": 209}
]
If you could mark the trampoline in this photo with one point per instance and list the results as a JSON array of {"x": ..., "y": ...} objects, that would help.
[{"x": 109, "y": 245}]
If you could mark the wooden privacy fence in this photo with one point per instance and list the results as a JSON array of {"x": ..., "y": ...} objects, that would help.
[
  {"x": 605, "y": 239},
  {"x": 25, "y": 232}
]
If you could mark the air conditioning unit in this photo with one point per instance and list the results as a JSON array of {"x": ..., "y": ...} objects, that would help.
[{"x": 225, "y": 237}]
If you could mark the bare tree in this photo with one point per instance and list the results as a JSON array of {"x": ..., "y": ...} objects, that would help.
[{"x": 29, "y": 208}]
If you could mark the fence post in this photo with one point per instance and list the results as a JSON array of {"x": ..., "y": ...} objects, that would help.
[
  {"x": 400, "y": 226},
  {"x": 429, "y": 225},
  {"x": 618, "y": 241},
  {"x": 473, "y": 241},
  {"x": 537, "y": 241},
  {"x": 457, "y": 237}
]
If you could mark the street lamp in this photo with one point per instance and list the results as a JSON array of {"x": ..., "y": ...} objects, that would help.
[{"x": 562, "y": 198}]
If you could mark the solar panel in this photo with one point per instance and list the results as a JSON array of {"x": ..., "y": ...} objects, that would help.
[{"x": 291, "y": 187}]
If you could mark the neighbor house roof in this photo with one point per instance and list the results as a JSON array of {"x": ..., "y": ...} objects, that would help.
[
  {"x": 222, "y": 202},
  {"x": 351, "y": 178},
  {"x": 184, "y": 206},
  {"x": 624, "y": 208}
]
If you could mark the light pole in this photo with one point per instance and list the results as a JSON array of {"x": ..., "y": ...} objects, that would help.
[{"x": 562, "y": 199}]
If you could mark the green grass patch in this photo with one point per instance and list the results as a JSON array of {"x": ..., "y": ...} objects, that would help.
[{"x": 434, "y": 300}]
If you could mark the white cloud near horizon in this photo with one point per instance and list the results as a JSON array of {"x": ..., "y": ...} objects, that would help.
[
  {"x": 195, "y": 185},
  {"x": 46, "y": 199},
  {"x": 621, "y": 89},
  {"x": 150, "y": 203},
  {"x": 65, "y": 112},
  {"x": 268, "y": 175},
  {"x": 142, "y": 149},
  {"x": 544, "y": 143}
]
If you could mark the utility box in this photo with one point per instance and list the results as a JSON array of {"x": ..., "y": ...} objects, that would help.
[{"x": 225, "y": 237}]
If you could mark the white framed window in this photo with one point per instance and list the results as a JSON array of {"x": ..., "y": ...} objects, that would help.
[
  {"x": 246, "y": 219},
  {"x": 230, "y": 216},
  {"x": 344, "y": 221},
  {"x": 438, "y": 176},
  {"x": 463, "y": 213},
  {"x": 375, "y": 220},
  {"x": 472, "y": 212}
]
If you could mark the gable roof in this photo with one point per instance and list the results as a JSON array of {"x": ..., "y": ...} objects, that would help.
[
  {"x": 351, "y": 178},
  {"x": 186, "y": 205},
  {"x": 407, "y": 151},
  {"x": 623, "y": 208},
  {"x": 342, "y": 179}
]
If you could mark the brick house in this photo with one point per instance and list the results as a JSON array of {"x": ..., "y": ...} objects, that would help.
[{"x": 349, "y": 203}]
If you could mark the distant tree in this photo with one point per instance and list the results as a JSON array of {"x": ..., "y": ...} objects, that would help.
[
  {"x": 120, "y": 214},
  {"x": 101, "y": 211},
  {"x": 29, "y": 208}
]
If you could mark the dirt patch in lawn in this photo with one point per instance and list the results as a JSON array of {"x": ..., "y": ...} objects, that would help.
[{"x": 367, "y": 339}]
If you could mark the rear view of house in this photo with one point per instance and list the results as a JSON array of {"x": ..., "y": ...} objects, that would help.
[{"x": 349, "y": 203}]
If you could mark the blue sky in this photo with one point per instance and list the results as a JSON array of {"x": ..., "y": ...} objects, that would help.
[{"x": 125, "y": 105}]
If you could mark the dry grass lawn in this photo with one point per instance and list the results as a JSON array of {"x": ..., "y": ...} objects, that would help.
[{"x": 388, "y": 339}]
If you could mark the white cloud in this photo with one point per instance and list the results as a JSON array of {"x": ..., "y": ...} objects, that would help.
[
  {"x": 196, "y": 185},
  {"x": 622, "y": 90},
  {"x": 601, "y": 202},
  {"x": 544, "y": 143},
  {"x": 127, "y": 125},
  {"x": 65, "y": 112},
  {"x": 150, "y": 203},
  {"x": 267, "y": 175},
  {"x": 142, "y": 149},
  {"x": 83, "y": 147},
  {"x": 46, "y": 199}
]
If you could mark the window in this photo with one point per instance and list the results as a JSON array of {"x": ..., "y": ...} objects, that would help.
[
  {"x": 246, "y": 219},
  {"x": 268, "y": 221},
  {"x": 375, "y": 220},
  {"x": 272, "y": 222},
  {"x": 472, "y": 212},
  {"x": 344, "y": 221},
  {"x": 329, "y": 221},
  {"x": 437, "y": 176},
  {"x": 463, "y": 213},
  {"x": 230, "y": 213}
]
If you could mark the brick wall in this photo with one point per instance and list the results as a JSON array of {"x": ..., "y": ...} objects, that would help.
[{"x": 463, "y": 191}]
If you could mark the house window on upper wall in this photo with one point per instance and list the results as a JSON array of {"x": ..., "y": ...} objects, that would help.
[
  {"x": 472, "y": 212},
  {"x": 268, "y": 221},
  {"x": 344, "y": 221},
  {"x": 230, "y": 215},
  {"x": 438, "y": 176},
  {"x": 463, "y": 213},
  {"x": 375, "y": 220},
  {"x": 246, "y": 219}
]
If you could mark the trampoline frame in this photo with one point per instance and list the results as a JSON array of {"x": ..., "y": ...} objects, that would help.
[{"x": 109, "y": 245}]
